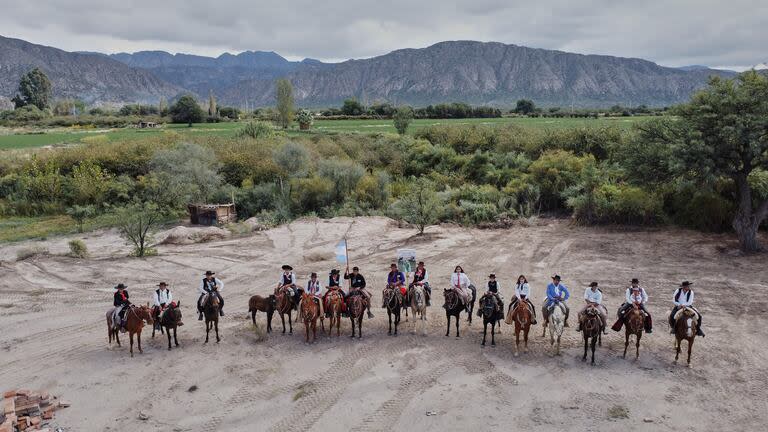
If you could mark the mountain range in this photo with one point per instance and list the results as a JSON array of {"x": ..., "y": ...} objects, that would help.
[{"x": 487, "y": 73}]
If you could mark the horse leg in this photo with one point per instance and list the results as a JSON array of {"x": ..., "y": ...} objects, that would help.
[
  {"x": 270, "y": 314},
  {"x": 586, "y": 343},
  {"x": 130, "y": 336},
  {"x": 169, "y": 337},
  {"x": 493, "y": 332},
  {"x": 626, "y": 342},
  {"x": 677, "y": 349},
  {"x": 525, "y": 338},
  {"x": 485, "y": 329},
  {"x": 690, "y": 348},
  {"x": 389, "y": 318},
  {"x": 594, "y": 342},
  {"x": 360, "y": 327},
  {"x": 558, "y": 345},
  {"x": 397, "y": 320},
  {"x": 352, "y": 319},
  {"x": 290, "y": 322},
  {"x": 282, "y": 318},
  {"x": 138, "y": 338},
  {"x": 154, "y": 326},
  {"x": 117, "y": 337},
  {"x": 253, "y": 317},
  {"x": 448, "y": 319},
  {"x": 306, "y": 329},
  {"x": 216, "y": 325},
  {"x": 457, "y": 323},
  {"x": 517, "y": 341},
  {"x": 637, "y": 345},
  {"x": 207, "y": 330}
]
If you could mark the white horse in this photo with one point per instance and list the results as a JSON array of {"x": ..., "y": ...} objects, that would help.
[
  {"x": 556, "y": 323},
  {"x": 419, "y": 308}
]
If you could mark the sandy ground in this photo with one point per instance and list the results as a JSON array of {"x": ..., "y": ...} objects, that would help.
[{"x": 53, "y": 336}]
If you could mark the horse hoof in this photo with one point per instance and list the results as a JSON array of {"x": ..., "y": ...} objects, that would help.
[
  {"x": 517, "y": 354},
  {"x": 169, "y": 348},
  {"x": 493, "y": 344},
  {"x": 690, "y": 366}
]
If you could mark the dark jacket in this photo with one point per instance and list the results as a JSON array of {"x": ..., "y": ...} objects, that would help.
[
  {"x": 358, "y": 281},
  {"x": 121, "y": 300}
]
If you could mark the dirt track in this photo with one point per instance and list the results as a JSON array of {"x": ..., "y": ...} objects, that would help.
[{"x": 53, "y": 336}]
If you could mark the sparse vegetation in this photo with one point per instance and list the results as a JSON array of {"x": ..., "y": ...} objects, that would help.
[{"x": 77, "y": 249}]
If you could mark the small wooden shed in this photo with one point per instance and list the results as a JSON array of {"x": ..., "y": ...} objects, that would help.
[
  {"x": 146, "y": 125},
  {"x": 212, "y": 214}
]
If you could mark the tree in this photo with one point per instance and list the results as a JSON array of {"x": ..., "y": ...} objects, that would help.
[
  {"x": 285, "y": 108},
  {"x": 186, "y": 110},
  {"x": 305, "y": 119},
  {"x": 723, "y": 132},
  {"x": 212, "y": 111},
  {"x": 525, "y": 106},
  {"x": 421, "y": 205},
  {"x": 352, "y": 107},
  {"x": 34, "y": 89},
  {"x": 186, "y": 173},
  {"x": 402, "y": 118},
  {"x": 80, "y": 214},
  {"x": 162, "y": 107},
  {"x": 136, "y": 224}
]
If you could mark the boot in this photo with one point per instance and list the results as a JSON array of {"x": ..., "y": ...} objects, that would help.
[
  {"x": 578, "y": 328},
  {"x": 699, "y": 332},
  {"x": 199, "y": 315},
  {"x": 618, "y": 325},
  {"x": 221, "y": 312},
  {"x": 370, "y": 315}
]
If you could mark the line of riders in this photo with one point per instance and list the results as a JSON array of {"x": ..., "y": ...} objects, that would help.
[{"x": 557, "y": 295}]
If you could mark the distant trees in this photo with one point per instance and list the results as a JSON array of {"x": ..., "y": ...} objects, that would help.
[
  {"x": 230, "y": 113},
  {"x": 186, "y": 110},
  {"x": 285, "y": 103},
  {"x": 34, "y": 89},
  {"x": 525, "y": 106},
  {"x": 212, "y": 110},
  {"x": 402, "y": 118},
  {"x": 352, "y": 107}
]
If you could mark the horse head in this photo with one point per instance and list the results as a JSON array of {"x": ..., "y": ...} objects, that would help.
[
  {"x": 144, "y": 312},
  {"x": 273, "y": 300},
  {"x": 418, "y": 295},
  {"x": 489, "y": 305}
]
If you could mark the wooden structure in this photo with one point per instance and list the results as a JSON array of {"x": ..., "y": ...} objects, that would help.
[
  {"x": 212, "y": 214},
  {"x": 146, "y": 125}
]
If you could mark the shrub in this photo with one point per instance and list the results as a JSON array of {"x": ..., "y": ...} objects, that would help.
[
  {"x": 256, "y": 130},
  {"x": 421, "y": 205},
  {"x": 305, "y": 118},
  {"x": 402, "y": 119},
  {"x": 253, "y": 200},
  {"x": 553, "y": 173},
  {"x": 344, "y": 174},
  {"x": 77, "y": 249},
  {"x": 137, "y": 223},
  {"x": 30, "y": 252},
  {"x": 80, "y": 214},
  {"x": 311, "y": 194}
]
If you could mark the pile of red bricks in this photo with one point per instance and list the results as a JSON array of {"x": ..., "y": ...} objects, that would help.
[{"x": 24, "y": 410}]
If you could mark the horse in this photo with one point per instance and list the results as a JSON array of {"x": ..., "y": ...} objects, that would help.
[
  {"x": 686, "y": 327},
  {"x": 285, "y": 306},
  {"x": 170, "y": 319},
  {"x": 335, "y": 302},
  {"x": 310, "y": 312},
  {"x": 135, "y": 318},
  {"x": 211, "y": 313},
  {"x": 356, "y": 310},
  {"x": 393, "y": 301},
  {"x": 521, "y": 315},
  {"x": 556, "y": 323},
  {"x": 453, "y": 307},
  {"x": 591, "y": 329},
  {"x": 634, "y": 321},
  {"x": 490, "y": 313},
  {"x": 418, "y": 307},
  {"x": 258, "y": 303}
]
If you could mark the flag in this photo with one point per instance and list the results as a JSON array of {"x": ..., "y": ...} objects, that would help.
[{"x": 341, "y": 252}]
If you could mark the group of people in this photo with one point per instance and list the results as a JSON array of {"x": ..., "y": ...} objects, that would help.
[{"x": 557, "y": 294}]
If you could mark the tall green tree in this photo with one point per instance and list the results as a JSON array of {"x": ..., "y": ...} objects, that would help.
[
  {"x": 723, "y": 132},
  {"x": 212, "y": 110},
  {"x": 285, "y": 104},
  {"x": 421, "y": 205},
  {"x": 34, "y": 89},
  {"x": 402, "y": 118},
  {"x": 137, "y": 223},
  {"x": 352, "y": 107},
  {"x": 525, "y": 106},
  {"x": 186, "y": 110}
]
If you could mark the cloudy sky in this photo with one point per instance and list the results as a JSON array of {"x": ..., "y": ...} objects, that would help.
[{"x": 729, "y": 33}]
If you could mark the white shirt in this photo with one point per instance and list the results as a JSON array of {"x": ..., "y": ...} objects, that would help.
[
  {"x": 639, "y": 296},
  {"x": 593, "y": 296},
  {"x": 426, "y": 278},
  {"x": 292, "y": 277},
  {"x": 315, "y": 288},
  {"x": 460, "y": 280},
  {"x": 219, "y": 285},
  {"x": 522, "y": 290},
  {"x": 684, "y": 299},
  {"x": 165, "y": 297}
]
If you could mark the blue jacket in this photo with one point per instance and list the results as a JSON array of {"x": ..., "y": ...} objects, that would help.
[
  {"x": 552, "y": 296},
  {"x": 393, "y": 279}
]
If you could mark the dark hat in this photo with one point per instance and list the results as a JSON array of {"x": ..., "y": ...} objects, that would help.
[
  {"x": 492, "y": 276},
  {"x": 287, "y": 267},
  {"x": 162, "y": 284},
  {"x": 393, "y": 265},
  {"x": 120, "y": 285},
  {"x": 593, "y": 284},
  {"x": 313, "y": 274},
  {"x": 335, "y": 271},
  {"x": 421, "y": 263},
  {"x": 210, "y": 273},
  {"x": 634, "y": 280},
  {"x": 686, "y": 283},
  {"x": 355, "y": 268},
  {"x": 557, "y": 276}
]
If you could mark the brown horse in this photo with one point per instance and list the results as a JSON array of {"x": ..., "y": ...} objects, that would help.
[
  {"x": 635, "y": 323},
  {"x": 335, "y": 302},
  {"x": 285, "y": 306},
  {"x": 686, "y": 327},
  {"x": 356, "y": 310},
  {"x": 310, "y": 312},
  {"x": 521, "y": 315},
  {"x": 258, "y": 303},
  {"x": 591, "y": 329},
  {"x": 393, "y": 301},
  {"x": 170, "y": 320},
  {"x": 135, "y": 318},
  {"x": 211, "y": 313}
]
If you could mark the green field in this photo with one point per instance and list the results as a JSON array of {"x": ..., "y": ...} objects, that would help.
[{"x": 60, "y": 136}]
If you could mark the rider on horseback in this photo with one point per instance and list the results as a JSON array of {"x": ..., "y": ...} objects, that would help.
[
  {"x": 522, "y": 292},
  {"x": 421, "y": 278},
  {"x": 315, "y": 288},
  {"x": 210, "y": 285},
  {"x": 557, "y": 294},
  {"x": 635, "y": 296},
  {"x": 162, "y": 300},
  {"x": 395, "y": 280},
  {"x": 121, "y": 303},
  {"x": 593, "y": 297},
  {"x": 684, "y": 298},
  {"x": 358, "y": 287},
  {"x": 460, "y": 283},
  {"x": 334, "y": 285},
  {"x": 493, "y": 289},
  {"x": 288, "y": 283}
]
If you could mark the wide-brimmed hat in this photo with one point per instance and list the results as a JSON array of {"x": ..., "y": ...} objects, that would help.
[
  {"x": 421, "y": 263},
  {"x": 492, "y": 276},
  {"x": 686, "y": 283},
  {"x": 287, "y": 267},
  {"x": 313, "y": 274},
  {"x": 335, "y": 271},
  {"x": 209, "y": 273},
  {"x": 162, "y": 284},
  {"x": 593, "y": 284},
  {"x": 634, "y": 280},
  {"x": 557, "y": 276},
  {"x": 393, "y": 265},
  {"x": 355, "y": 268},
  {"x": 120, "y": 285}
]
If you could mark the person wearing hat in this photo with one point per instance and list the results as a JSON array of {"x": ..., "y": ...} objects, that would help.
[
  {"x": 461, "y": 284},
  {"x": 160, "y": 299},
  {"x": 334, "y": 284},
  {"x": 421, "y": 278},
  {"x": 210, "y": 285},
  {"x": 288, "y": 282},
  {"x": 522, "y": 293},
  {"x": 396, "y": 280},
  {"x": 121, "y": 303},
  {"x": 684, "y": 298},
  {"x": 593, "y": 297},
  {"x": 635, "y": 296},
  {"x": 315, "y": 288},
  {"x": 357, "y": 281},
  {"x": 557, "y": 294},
  {"x": 493, "y": 289}
]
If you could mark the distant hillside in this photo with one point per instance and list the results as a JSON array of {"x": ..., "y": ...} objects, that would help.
[{"x": 91, "y": 77}]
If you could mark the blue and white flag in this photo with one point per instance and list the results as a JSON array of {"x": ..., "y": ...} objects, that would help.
[{"x": 341, "y": 252}]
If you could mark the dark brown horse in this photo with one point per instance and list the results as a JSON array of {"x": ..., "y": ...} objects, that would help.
[
  {"x": 634, "y": 321},
  {"x": 170, "y": 320},
  {"x": 453, "y": 308},
  {"x": 211, "y": 313},
  {"x": 521, "y": 315},
  {"x": 135, "y": 318},
  {"x": 393, "y": 301},
  {"x": 258, "y": 303},
  {"x": 686, "y": 327},
  {"x": 591, "y": 329},
  {"x": 356, "y": 309},
  {"x": 310, "y": 312},
  {"x": 489, "y": 310},
  {"x": 335, "y": 302},
  {"x": 285, "y": 306}
]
